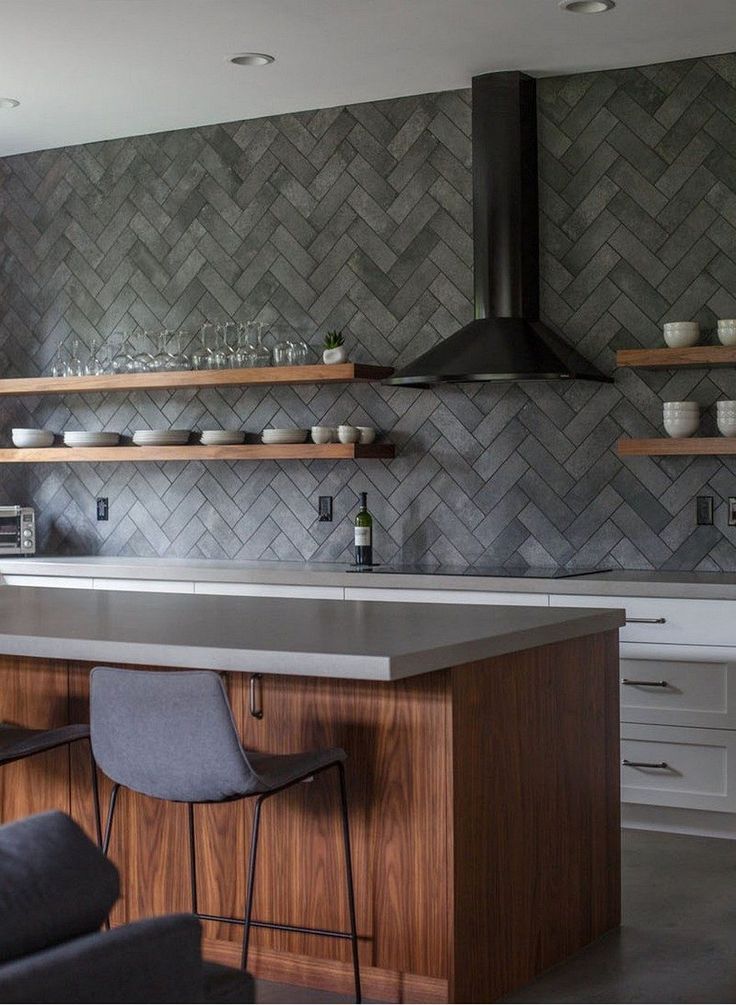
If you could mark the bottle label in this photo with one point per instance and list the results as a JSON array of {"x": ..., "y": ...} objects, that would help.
[{"x": 362, "y": 537}]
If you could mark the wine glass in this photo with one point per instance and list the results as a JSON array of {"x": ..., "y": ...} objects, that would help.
[
  {"x": 60, "y": 365},
  {"x": 74, "y": 366},
  {"x": 93, "y": 366},
  {"x": 257, "y": 353}
]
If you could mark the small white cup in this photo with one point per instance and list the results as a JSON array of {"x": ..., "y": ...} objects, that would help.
[
  {"x": 727, "y": 423},
  {"x": 681, "y": 426},
  {"x": 348, "y": 434},
  {"x": 367, "y": 434},
  {"x": 680, "y": 334},
  {"x": 727, "y": 331},
  {"x": 321, "y": 434}
]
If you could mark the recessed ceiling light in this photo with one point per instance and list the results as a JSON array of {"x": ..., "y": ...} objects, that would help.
[
  {"x": 587, "y": 6},
  {"x": 9, "y": 102},
  {"x": 251, "y": 59}
]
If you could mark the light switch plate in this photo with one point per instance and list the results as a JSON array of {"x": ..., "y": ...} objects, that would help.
[{"x": 732, "y": 511}]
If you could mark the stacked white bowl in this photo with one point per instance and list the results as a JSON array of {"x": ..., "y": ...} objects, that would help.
[
  {"x": 727, "y": 331},
  {"x": 221, "y": 437},
  {"x": 33, "y": 438},
  {"x": 681, "y": 418},
  {"x": 284, "y": 435},
  {"x": 680, "y": 334},
  {"x": 161, "y": 437},
  {"x": 726, "y": 416}
]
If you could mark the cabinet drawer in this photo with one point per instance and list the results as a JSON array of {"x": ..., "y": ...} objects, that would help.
[
  {"x": 57, "y": 582},
  {"x": 672, "y": 622},
  {"x": 145, "y": 585},
  {"x": 269, "y": 590},
  {"x": 447, "y": 596},
  {"x": 676, "y": 766},
  {"x": 678, "y": 693}
]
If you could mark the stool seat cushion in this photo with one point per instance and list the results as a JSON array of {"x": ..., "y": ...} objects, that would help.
[
  {"x": 17, "y": 742},
  {"x": 276, "y": 770}
]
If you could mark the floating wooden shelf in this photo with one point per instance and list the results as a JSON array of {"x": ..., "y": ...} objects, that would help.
[
  {"x": 338, "y": 373},
  {"x": 664, "y": 446},
  {"x": 197, "y": 452},
  {"x": 693, "y": 356}
]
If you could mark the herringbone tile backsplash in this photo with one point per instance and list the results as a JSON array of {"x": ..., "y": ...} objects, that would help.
[{"x": 360, "y": 218}]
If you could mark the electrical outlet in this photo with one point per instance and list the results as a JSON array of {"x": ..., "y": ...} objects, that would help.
[
  {"x": 103, "y": 508},
  {"x": 704, "y": 511},
  {"x": 325, "y": 509},
  {"x": 732, "y": 511}
]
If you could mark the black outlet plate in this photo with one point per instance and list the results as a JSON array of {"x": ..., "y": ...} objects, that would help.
[
  {"x": 103, "y": 508},
  {"x": 704, "y": 511},
  {"x": 324, "y": 509}
]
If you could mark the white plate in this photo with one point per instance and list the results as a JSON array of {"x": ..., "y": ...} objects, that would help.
[
  {"x": 221, "y": 437},
  {"x": 34, "y": 438},
  {"x": 160, "y": 437},
  {"x": 284, "y": 435},
  {"x": 82, "y": 439}
]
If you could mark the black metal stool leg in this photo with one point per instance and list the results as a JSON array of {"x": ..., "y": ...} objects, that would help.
[
  {"x": 192, "y": 858},
  {"x": 349, "y": 881},
  {"x": 251, "y": 881},
  {"x": 110, "y": 814},
  {"x": 96, "y": 798}
]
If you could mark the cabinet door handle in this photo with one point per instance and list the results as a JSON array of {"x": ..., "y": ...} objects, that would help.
[
  {"x": 254, "y": 704},
  {"x": 644, "y": 683},
  {"x": 644, "y": 764},
  {"x": 646, "y": 621}
]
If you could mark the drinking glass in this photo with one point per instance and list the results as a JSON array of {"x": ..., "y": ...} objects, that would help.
[
  {"x": 201, "y": 359},
  {"x": 177, "y": 350},
  {"x": 257, "y": 353},
  {"x": 74, "y": 366},
  {"x": 120, "y": 352},
  {"x": 300, "y": 352},
  {"x": 282, "y": 352},
  {"x": 59, "y": 367},
  {"x": 93, "y": 366}
]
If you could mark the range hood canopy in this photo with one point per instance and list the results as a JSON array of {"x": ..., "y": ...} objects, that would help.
[{"x": 507, "y": 341}]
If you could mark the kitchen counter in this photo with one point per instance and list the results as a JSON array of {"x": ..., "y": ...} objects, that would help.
[
  {"x": 685, "y": 585},
  {"x": 323, "y": 638}
]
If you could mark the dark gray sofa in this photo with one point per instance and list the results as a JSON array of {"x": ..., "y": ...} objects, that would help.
[{"x": 56, "y": 890}]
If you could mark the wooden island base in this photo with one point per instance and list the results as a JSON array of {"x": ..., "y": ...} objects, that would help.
[{"x": 484, "y": 815}]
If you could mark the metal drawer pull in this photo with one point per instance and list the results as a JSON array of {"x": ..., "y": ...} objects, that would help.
[
  {"x": 646, "y": 621},
  {"x": 644, "y": 683},
  {"x": 254, "y": 706},
  {"x": 645, "y": 764}
]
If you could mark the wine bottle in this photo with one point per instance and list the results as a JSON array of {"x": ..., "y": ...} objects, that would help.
[{"x": 363, "y": 533}]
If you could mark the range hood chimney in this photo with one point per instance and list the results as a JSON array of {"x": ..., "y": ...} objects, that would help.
[{"x": 507, "y": 341}]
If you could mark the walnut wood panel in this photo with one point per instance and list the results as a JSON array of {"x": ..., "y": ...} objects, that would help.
[
  {"x": 691, "y": 356},
  {"x": 313, "y": 374},
  {"x": 536, "y": 845},
  {"x": 666, "y": 447},
  {"x": 199, "y": 452},
  {"x": 34, "y": 693}
]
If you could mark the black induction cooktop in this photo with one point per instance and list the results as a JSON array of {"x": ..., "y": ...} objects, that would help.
[{"x": 507, "y": 572}]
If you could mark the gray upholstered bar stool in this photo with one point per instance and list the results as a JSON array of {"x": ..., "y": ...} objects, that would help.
[
  {"x": 19, "y": 742},
  {"x": 171, "y": 735}
]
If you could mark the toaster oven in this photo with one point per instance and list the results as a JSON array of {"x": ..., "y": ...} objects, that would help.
[{"x": 17, "y": 530}]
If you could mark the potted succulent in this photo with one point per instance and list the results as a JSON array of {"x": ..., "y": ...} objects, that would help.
[{"x": 335, "y": 351}]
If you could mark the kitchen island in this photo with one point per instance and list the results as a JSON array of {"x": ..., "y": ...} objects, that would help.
[{"x": 483, "y": 776}]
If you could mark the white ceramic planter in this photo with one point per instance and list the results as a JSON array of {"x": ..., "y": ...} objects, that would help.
[{"x": 338, "y": 355}]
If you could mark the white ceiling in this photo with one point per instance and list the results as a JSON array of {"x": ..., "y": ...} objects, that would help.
[{"x": 88, "y": 70}]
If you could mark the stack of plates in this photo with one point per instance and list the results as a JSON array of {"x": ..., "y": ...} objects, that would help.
[
  {"x": 74, "y": 438},
  {"x": 32, "y": 438},
  {"x": 221, "y": 437},
  {"x": 285, "y": 435},
  {"x": 161, "y": 437}
]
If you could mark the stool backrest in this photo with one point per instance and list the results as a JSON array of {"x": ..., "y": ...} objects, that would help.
[{"x": 168, "y": 734}]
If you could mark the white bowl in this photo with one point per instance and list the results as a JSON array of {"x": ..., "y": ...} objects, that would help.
[
  {"x": 348, "y": 434},
  {"x": 680, "y": 426},
  {"x": 321, "y": 434},
  {"x": 32, "y": 438},
  {"x": 367, "y": 434},
  {"x": 79, "y": 438},
  {"x": 681, "y": 406},
  {"x": 679, "y": 334},
  {"x": 726, "y": 406},
  {"x": 221, "y": 437},
  {"x": 727, "y": 424},
  {"x": 727, "y": 331}
]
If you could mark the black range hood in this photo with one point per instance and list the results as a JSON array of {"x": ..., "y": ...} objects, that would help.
[{"x": 507, "y": 341}]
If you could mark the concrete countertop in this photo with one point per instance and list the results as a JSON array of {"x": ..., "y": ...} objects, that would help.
[
  {"x": 326, "y": 638},
  {"x": 685, "y": 585}
]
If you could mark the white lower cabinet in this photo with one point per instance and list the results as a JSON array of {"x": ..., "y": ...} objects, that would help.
[
  {"x": 269, "y": 590},
  {"x": 678, "y": 766},
  {"x": 447, "y": 596},
  {"x": 674, "y": 693},
  {"x": 53, "y": 582},
  {"x": 144, "y": 585}
]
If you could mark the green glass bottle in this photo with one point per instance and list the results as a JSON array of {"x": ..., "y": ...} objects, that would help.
[{"x": 363, "y": 533}]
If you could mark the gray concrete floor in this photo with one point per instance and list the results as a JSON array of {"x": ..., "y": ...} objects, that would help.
[{"x": 677, "y": 942}]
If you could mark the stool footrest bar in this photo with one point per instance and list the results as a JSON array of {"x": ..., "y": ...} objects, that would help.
[{"x": 299, "y": 929}]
